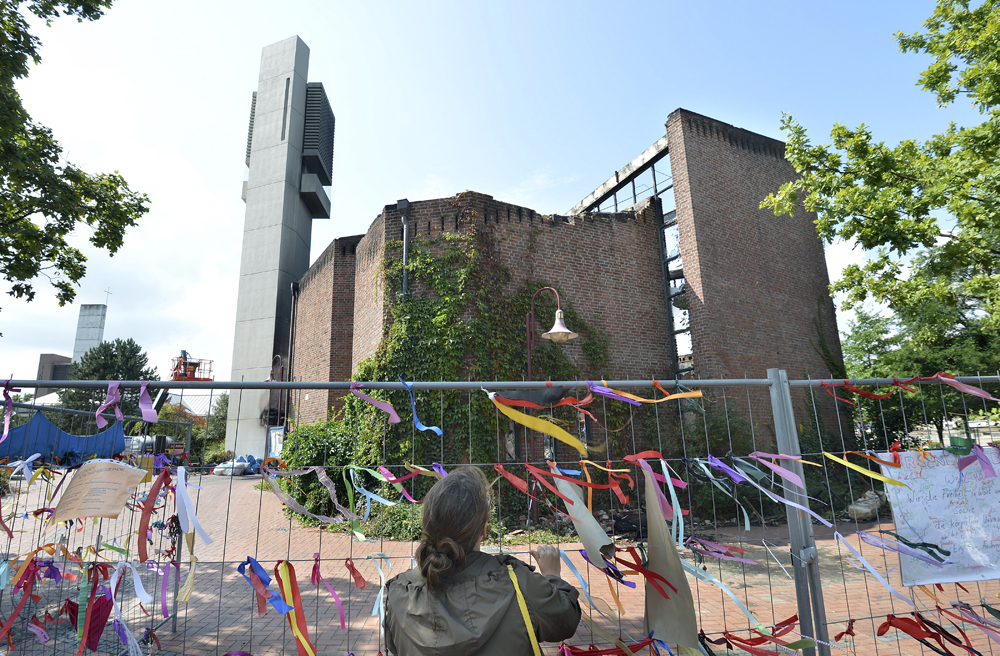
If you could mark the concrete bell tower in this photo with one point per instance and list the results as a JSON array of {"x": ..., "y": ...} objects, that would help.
[{"x": 290, "y": 160}]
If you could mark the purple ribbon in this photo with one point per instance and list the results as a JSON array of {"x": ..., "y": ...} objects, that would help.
[
  {"x": 384, "y": 406},
  {"x": 715, "y": 463},
  {"x": 716, "y": 550},
  {"x": 899, "y": 547},
  {"x": 51, "y": 571},
  {"x": 604, "y": 391},
  {"x": 980, "y": 455},
  {"x": 42, "y": 635},
  {"x": 163, "y": 587},
  {"x": 119, "y": 628},
  {"x": 7, "y": 389},
  {"x": 609, "y": 569},
  {"x": 437, "y": 467},
  {"x": 111, "y": 399},
  {"x": 145, "y": 404},
  {"x": 161, "y": 461}
]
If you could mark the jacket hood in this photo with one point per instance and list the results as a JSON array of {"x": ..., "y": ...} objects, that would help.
[{"x": 460, "y": 618}]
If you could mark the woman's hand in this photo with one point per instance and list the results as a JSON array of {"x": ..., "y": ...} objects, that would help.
[{"x": 547, "y": 558}]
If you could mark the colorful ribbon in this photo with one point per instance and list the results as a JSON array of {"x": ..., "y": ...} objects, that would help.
[
  {"x": 540, "y": 425},
  {"x": 384, "y": 406},
  {"x": 901, "y": 548},
  {"x": 413, "y": 407},
  {"x": 871, "y": 570},
  {"x": 185, "y": 509},
  {"x": 111, "y": 400},
  {"x": 260, "y": 582},
  {"x": 379, "y": 607},
  {"x": 977, "y": 455},
  {"x": 147, "y": 512},
  {"x": 121, "y": 628},
  {"x": 285, "y": 574},
  {"x": 862, "y": 470},
  {"x": 359, "y": 581},
  {"x": 716, "y": 550},
  {"x": 7, "y": 389},
  {"x": 316, "y": 578},
  {"x": 146, "y": 404}
]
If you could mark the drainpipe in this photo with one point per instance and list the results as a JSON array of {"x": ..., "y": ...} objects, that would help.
[{"x": 404, "y": 209}]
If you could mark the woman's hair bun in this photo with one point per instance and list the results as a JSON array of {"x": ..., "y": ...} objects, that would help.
[{"x": 455, "y": 512}]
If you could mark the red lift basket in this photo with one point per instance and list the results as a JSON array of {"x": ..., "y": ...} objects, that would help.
[{"x": 186, "y": 367}]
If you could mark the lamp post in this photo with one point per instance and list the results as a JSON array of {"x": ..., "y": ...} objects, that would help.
[{"x": 558, "y": 334}]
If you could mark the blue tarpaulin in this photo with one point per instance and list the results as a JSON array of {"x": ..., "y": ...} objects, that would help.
[{"x": 40, "y": 435}]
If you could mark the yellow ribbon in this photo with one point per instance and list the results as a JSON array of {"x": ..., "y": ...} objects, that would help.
[
  {"x": 524, "y": 610},
  {"x": 862, "y": 470},
  {"x": 610, "y": 637},
  {"x": 614, "y": 595},
  {"x": 286, "y": 588},
  {"x": 541, "y": 426},
  {"x": 923, "y": 588},
  {"x": 668, "y": 397},
  {"x": 410, "y": 467},
  {"x": 184, "y": 594}
]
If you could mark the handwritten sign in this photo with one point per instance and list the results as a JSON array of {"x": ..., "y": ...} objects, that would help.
[
  {"x": 958, "y": 511},
  {"x": 98, "y": 489}
]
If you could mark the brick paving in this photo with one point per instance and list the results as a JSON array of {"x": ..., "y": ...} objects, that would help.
[{"x": 221, "y": 615}]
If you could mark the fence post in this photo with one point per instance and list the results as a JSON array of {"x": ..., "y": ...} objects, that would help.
[{"x": 808, "y": 593}]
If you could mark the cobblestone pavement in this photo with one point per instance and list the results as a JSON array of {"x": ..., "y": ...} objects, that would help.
[{"x": 221, "y": 615}]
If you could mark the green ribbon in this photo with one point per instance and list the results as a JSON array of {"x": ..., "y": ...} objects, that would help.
[{"x": 923, "y": 546}]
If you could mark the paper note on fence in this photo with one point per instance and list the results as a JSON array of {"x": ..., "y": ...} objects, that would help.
[
  {"x": 98, "y": 489},
  {"x": 957, "y": 511}
]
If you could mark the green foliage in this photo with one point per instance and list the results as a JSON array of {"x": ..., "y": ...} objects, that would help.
[
  {"x": 42, "y": 199},
  {"x": 330, "y": 444},
  {"x": 216, "y": 457},
  {"x": 213, "y": 432},
  {"x": 460, "y": 321},
  {"x": 899, "y": 203},
  {"x": 886, "y": 347},
  {"x": 121, "y": 359}
]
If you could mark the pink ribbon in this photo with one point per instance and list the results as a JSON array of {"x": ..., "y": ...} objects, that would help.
[
  {"x": 39, "y": 631},
  {"x": 715, "y": 550},
  {"x": 980, "y": 455},
  {"x": 145, "y": 404},
  {"x": 389, "y": 477},
  {"x": 316, "y": 578},
  {"x": 6, "y": 418},
  {"x": 786, "y": 474},
  {"x": 111, "y": 399},
  {"x": 948, "y": 379},
  {"x": 384, "y": 406}
]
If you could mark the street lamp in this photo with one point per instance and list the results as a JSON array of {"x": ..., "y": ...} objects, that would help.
[{"x": 558, "y": 334}]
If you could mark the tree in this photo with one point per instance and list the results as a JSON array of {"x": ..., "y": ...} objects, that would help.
[
  {"x": 121, "y": 359},
  {"x": 929, "y": 212},
  {"x": 42, "y": 198},
  {"x": 885, "y": 347},
  {"x": 216, "y": 433}
]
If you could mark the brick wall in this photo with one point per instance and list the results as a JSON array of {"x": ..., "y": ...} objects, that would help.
[
  {"x": 755, "y": 281},
  {"x": 596, "y": 259},
  {"x": 324, "y": 340},
  {"x": 369, "y": 304}
]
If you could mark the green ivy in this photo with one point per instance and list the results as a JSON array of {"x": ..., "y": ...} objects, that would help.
[{"x": 460, "y": 321}]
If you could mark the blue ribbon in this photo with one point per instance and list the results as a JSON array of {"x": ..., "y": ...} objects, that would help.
[
  {"x": 265, "y": 580},
  {"x": 583, "y": 584},
  {"x": 413, "y": 406}
]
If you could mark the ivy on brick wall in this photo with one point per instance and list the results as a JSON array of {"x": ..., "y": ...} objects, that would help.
[{"x": 460, "y": 321}]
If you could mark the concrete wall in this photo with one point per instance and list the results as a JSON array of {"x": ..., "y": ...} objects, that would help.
[
  {"x": 756, "y": 282},
  {"x": 46, "y": 370},
  {"x": 89, "y": 329},
  {"x": 276, "y": 237}
]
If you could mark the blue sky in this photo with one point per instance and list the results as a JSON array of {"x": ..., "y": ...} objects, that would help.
[{"x": 533, "y": 103}]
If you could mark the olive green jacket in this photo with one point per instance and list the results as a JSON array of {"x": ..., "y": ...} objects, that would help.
[{"x": 475, "y": 613}]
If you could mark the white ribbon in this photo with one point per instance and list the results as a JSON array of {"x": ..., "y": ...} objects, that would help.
[
  {"x": 185, "y": 509},
  {"x": 24, "y": 466},
  {"x": 871, "y": 569},
  {"x": 133, "y": 645},
  {"x": 379, "y": 607}
]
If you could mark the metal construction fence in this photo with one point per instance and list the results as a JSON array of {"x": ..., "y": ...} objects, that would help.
[{"x": 776, "y": 560}]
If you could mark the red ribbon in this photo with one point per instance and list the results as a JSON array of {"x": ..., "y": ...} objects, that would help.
[
  {"x": 652, "y": 577},
  {"x": 147, "y": 511},
  {"x": 358, "y": 579},
  {"x": 296, "y": 604},
  {"x": 848, "y": 631}
]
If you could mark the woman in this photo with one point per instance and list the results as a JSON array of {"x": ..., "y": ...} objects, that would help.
[{"x": 463, "y": 602}]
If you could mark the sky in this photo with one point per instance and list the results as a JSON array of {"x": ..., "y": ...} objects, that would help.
[{"x": 533, "y": 103}]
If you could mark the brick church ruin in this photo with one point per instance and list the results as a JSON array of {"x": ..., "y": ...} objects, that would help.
[
  {"x": 671, "y": 258},
  {"x": 755, "y": 286}
]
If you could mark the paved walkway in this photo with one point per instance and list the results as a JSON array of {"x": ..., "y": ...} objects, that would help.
[{"x": 221, "y": 616}]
